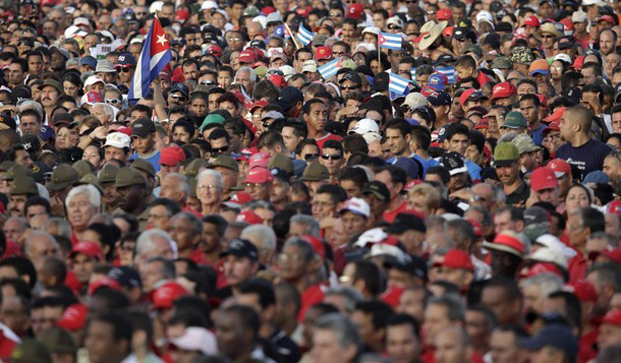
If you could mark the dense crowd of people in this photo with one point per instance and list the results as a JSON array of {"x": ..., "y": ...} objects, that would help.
[{"x": 310, "y": 181}]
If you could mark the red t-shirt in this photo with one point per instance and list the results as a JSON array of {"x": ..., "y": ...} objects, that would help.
[
  {"x": 390, "y": 216},
  {"x": 6, "y": 345},
  {"x": 587, "y": 350},
  {"x": 311, "y": 296},
  {"x": 577, "y": 267},
  {"x": 329, "y": 136}
]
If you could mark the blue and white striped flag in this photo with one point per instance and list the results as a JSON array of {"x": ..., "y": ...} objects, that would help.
[
  {"x": 305, "y": 36},
  {"x": 390, "y": 41},
  {"x": 329, "y": 69},
  {"x": 413, "y": 71},
  {"x": 449, "y": 72},
  {"x": 398, "y": 84}
]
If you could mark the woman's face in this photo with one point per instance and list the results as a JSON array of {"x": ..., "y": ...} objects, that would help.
[
  {"x": 376, "y": 67},
  {"x": 556, "y": 70},
  {"x": 70, "y": 89},
  {"x": 113, "y": 99},
  {"x": 91, "y": 154},
  {"x": 576, "y": 198},
  {"x": 181, "y": 135},
  {"x": 66, "y": 138}
]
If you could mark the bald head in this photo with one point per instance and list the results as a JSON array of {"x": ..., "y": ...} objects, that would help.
[{"x": 582, "y": 116}]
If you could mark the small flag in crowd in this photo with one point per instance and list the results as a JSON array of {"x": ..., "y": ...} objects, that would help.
[
  {"x": 398, "y": 84},
  {"x": 329, "y": 69},
  {"x": 154, "y": 57},
  {"x": 305, "y": 36},
  {"x": 390, "y": 41},
  {"x": 281, "y": 31},
  {"x": 449, "y": 72},
  {"x": 413, "y": 72}
]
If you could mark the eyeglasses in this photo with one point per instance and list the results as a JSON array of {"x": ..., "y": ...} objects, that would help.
[
  {"x": 123, "y": 69},
  {"x": 208, "y": 83},
  {"x": 338, "y": 52},
  {"x": 410, "y": 2},
  {"x": 255, "y": 185},
  {"x": 310, "y": 156},
  {"x": 346, "y": 87},
  {"x": 266, "y": 124},
  {"x": 294, "y": 257},
  {"x": 209, "y": 187},
  {"x": 335, "y": 15},
  {"x": 331, "y": 157},
  {"x": 405, "y": 108},
  {"x": 220, "y": 149},
  {"x": 548, "y": 36},
  {"x": 234, "y": 40}
]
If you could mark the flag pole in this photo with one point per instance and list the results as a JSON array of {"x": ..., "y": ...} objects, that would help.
[
  {"x": 379, "y": 50},
  {"x": 295, "y": 41}
]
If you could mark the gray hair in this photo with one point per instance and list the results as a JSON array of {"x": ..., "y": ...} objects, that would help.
[
  {"x": 31, "y": 105},
  {"x": 263, "y": 233},
  {"x": 351, "y": 297},
  {"x": 145, "y": 240},
  {"x": 213, "y": 173},
  {"x": 611, "y": 240},
  {"x": 311, "y": 225},
  {"x": 37, "y": 233},
  {"x": 547, "y": 283},
  {"x": 197, "y": 224},
  {"x": 168, "y": 267},
  {"x": 182, "y": 184},
  {"x": 63, "y": 226},
  {"x": 107, "y": 109},
  {"x": 345, "y": 332},
  {"x": 93, "y": 194},
  {"x": 487, "y": 217},
  {"x": 307, "y": 248},
  {"x": 250, "y": 71},
  {"x": 455, "y": 309}
]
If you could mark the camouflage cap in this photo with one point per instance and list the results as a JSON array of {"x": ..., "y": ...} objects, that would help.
[
  {"x": 501, "y": 63},
  {"x": 522, "y": 55},
  {"x": 17, "y": 170},
  {"x": 62, "y": 177},
  {"x": 31, "y": 350},
  {"x": 128, "y": 176},
  {"x": 83, "y": 167},
  {"x": 24, "y": 185},
  {"x": 225, "y": 161},
  {"x": 194, "y": 167},
  {"x": 143, "y": 165},
  {"x": 525, "y": 144},
  {"x": 315, "y": 172},
  {"x": 280, "y": 161},
  {"x": 107, "y": 174}
]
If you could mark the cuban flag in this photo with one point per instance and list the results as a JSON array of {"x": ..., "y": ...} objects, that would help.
[
  {"x": 397, "y": 84},
  {"x": 155, "y": 55},
  {"x": 329, "y": 69},
  {"x": 305, "y": 36},
  {"x": 449, "y": 72},
  {"x": 281, "y": 31},
  {"x": 390, "y": 41},
  {"x": 413, "y": 72}
]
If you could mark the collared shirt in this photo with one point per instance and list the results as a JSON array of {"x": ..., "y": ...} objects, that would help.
[{"x": 520, "y": 195}]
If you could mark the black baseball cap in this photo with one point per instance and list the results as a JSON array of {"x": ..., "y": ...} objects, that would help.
[
  {"x": 126, "y": 276},
  {"x": 407, "y": 222},
  {"x": 180, "y": 87},
  {"x": 352, "y": 76},
  {"x": 378, "y": 189},
  {"x": 242, "y": 248}
]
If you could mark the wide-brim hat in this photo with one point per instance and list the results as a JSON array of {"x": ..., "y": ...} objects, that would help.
[
  {"x": 547, "y": 28},
  {"x": 432, "y": 35}
]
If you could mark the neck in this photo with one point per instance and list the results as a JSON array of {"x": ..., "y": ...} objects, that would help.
[
  {"x": 406, "y": 153},
  {"x": 147, "y": 152},
  {"x": 266, "y": 330},
  {"x": 394, "y": 203},
  {"x": 422, "y": 153},
  {"x": 141, "y": 352},
  {"x": 289, "y": 326},
  {"x": 441, "y": 122},
  {"x": 211, "y": 208},
  {"x": 213, "y": 256},
  {"x": 579, "y": 140},
  {"x": 535, "y": 125},
  {"x": 316, "y": 133},
  {"x": 185, "y": 253},
  {"x": 512, "y": 187}
]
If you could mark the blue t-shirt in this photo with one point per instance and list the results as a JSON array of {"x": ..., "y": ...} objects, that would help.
[
  {"x": 154, "y": 160},
  {"x": 474, "y": 170},
  {"x": 427, "y": 163},
  {"x": 586, "y": 158},
  {"x": 538, "y": 134}
]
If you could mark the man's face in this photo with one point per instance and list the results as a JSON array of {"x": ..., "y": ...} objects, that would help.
[
  {"x": 100, "y": 341},
  {"x": 530, "y": 111},
  {"x": 612, "y": 167},
  {"x": 326, "y": 348},
  {"x": 243, "y": 78},
  {"x": 402, "y": 344},
  {"x": 398, "y": 143},
  {"x": 606, "y": 42},
  {"x": 199, "y": 108},
  {"x": 17, "y": 202},
  {"x": 352, "y": 223},
  {"x": 291, "y": 140},
  {"x": 49, "y": 96},
  {"x": 35, "y": 65},
  {"x": 588, "y": 76},
  {"x": 159, "y": 218},
  {"x": 82, "y": 266},
  {"x": 190, "y": 72},
  {"x": 609, "y": 335},
  {"x": 450, "y": 348},
  {"x": 279, "y": 193},
  {"x": 207, "y": 190},
  {"x": 143, "y": 145},
  {"x": 495, "y": 298},
  {"x": 79, "y": 211},
  {"x": 323, "y": 206},
  {"x": 114, "y": 153},
  {"x": 130, "y": 197},
  {"x": 459, "y": 144},
  {"x": 332, "y": 160},
  {"x": 29, "y": 125},
  {"x": 238, "y": 269},
  {"x": 436, "y": 319},
  {"x": 504, "y": 347},
  {"x": 181, "y": 232},
  {"x": 317, "y": 117},
  {"x": 349, "y": 31},
  {"x": 508, "y": 174}
]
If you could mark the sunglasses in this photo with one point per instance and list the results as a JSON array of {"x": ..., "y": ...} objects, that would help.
[
  {"x": 350, "y": 87},
  {"x": 123, "y": 69},
  {"x": 308, "y": 157},
  {"x": 393, "y": 27},
  {"x": 177, "y": 97},
  {"x": 113, "y": 101},
  {"x": 220, "y": 149},
  {"x": 331, "y": 157}
]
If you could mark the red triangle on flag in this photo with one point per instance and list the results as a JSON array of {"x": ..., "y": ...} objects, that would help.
[
  {"x": 381, "y": 38},
  {"x": 159, "y": 43}
]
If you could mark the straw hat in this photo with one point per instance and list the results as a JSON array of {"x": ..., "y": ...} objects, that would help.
[
  {"x": 547, "y": 28},
  {"x": 432, "y": 35}
]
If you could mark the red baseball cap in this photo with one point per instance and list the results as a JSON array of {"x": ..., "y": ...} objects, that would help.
[
  {"x": 249, "y": 217},
  {"x": 323, "y": 52},
  {"x": 268, "y": 10},
  {"x": 559, "y": 167},
  {"x": 355, "y": 11},
  {"x": 553, "y": 126},
  {"x": 247, "y": 56},
  {"x": 448, "y": 32},
  {"x": 73, "y": 318},
  {"x": 613, "y": 254},
  {"x": 578, "y": 62},
  {"x": 392, "y": 296},
  {"x": 614, "y": 207},
  {"x": 277, "y": 80},
  {"x": 465, "y": 95},
  {"x": 583, "y": 289},
  {"x": 165, "y": 295},
  {"x": 612, "y": 317},
  {"x": 214, "y": 50},
  {"x": 444, "y": 14},
  {"x": 259, "y": 176},
  {"x": 318, "y": 246},
  {"x": 543, "y": 178},
  {"x": 607, "y": 18},
  {"x": 91, "y": 249},
  {"x": 503, "y": 90},
  {"x": 457, "y": 259},
  {"x": 182, "y": 14},
  {"x": 241, "y": 198},
  {"x": 104, "y": 281},
  {"x": 125, "y": 130},
  {"x": 259, "y": 160},
  {"x": 258, "y": 104},
  {"x": 532, "y": 20},
  {"x": 508, "y": 242},
  {"x": 171, "y": 156},
  {"x": 543, "y": 267},
  {"x": 556, "y": 116}
]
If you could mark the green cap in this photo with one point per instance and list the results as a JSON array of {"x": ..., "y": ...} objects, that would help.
[
  {"x": 53, "y": 83},
  {"x": 192, "y": 182},
  {"x": 58, "y": 341},
  {"x": 31, "y": 351},
  {"x": 475, "y": 49},
  {"x": 515, "y": 120},
  {"x": 225, "y": 161},
  {"x": 6, "y": 165},
  {"x": 128, "y": 176},
  {"x": 194, "y": 167},
  {"x": 524, "y": 144},
  {"x": 279, "y": 161},
  {"x": 24, "y": 185},
  {"x": 83, "y": 167},
  {"x": 315, "y": 172},
  {"x": 505, "y": 154},
  {"x": 92, "y": 180},
  {"x": 212, "y": 119},
  {"x": 348, "y": 63},
  {"x": 107, "y": 174},
  {"x": 252, "y": 11},
  {"x": 17, "y": 170},
  {"x": 143, "y": 165},
  {"x": 62, "y": 177},
  {"x": 261, "y": 71},
  {"x": 501, "y": 63}
]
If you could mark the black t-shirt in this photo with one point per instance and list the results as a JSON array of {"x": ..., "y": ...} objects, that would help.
[
  {"x": 519, "y": 196},
  {"x": 587, "y": 158}
]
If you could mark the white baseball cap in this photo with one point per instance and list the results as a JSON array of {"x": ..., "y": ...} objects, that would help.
[
  {"x": 363, "y": 126},
  {"x": 372, "y": 29},
  {"x": 545, "y": 254},
  {"x": 581, "y": 16},
  {"x": 415, "y": 100},
  {"x": 93, "y": 80},
  {"x": 357, "y": 206},
  {"x": 199, "y": 339},
  {"x": 371, "y": 236},
  {"x": 208, "y": 5},
  {"x": 118, "y": 140},
  {"x": 309, "y": 66},
  {"x": 563, "y": 57}
]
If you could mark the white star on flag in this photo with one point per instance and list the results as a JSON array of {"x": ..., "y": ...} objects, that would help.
[{"x": 161, "y": 39}]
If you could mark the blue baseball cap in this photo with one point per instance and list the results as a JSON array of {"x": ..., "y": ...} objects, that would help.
[
  {"x": 437, "y": 82},
  {"x": 89, "y": 61},
  {"x": 558, "y": 336},
  {"x": 409, "y": 166}
]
